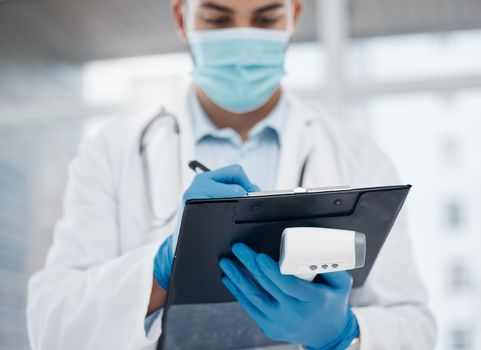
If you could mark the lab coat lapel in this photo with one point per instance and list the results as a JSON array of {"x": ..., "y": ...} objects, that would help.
[
  {"x": 305, "y": 135},
  {"x": 180, "y": 108},
  {"x": 168, "y": 155},
  {"x": 294, "y": 147}
]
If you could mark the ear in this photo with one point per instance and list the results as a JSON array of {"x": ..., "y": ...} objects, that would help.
[
  {"x": 297, "y": 7},
  {"x": 177, "y": 9}
]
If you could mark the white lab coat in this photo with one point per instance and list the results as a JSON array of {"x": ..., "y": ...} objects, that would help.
[{"x": 94, "y": 290}]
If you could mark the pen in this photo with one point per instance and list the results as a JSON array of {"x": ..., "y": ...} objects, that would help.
[{"x": 198, "y": 166}]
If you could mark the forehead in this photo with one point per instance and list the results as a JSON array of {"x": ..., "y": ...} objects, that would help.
[{"x": 237, "y": 5}]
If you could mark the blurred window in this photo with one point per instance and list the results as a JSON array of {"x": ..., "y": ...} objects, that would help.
[
  {"x": 461, "y": 339},
  {"x": 454, "y": 215},
  {"x": 458, "y": 277}
]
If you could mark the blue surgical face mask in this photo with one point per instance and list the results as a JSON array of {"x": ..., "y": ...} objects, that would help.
[{"x": 239, "y": 68}]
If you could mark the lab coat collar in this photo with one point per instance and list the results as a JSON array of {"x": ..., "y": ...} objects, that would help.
[{"x": 305, "y": 133}]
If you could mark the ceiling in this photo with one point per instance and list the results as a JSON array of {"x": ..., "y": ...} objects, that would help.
[{"x": 95, "y": 29}]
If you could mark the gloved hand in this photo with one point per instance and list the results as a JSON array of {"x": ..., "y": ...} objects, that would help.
[
  {"x": 230, "y": 181},
  {"x": 286, "y": 308},
  {"x": 163, "y": 262}
]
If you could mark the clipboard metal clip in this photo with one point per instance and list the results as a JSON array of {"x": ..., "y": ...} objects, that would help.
[{"x": 298, "y": 190}]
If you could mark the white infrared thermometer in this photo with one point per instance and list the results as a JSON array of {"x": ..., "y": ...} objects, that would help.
[{"x": 308, "y": 251}]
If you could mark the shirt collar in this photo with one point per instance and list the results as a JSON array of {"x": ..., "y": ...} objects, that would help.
[{"x": 204, "y": 127}]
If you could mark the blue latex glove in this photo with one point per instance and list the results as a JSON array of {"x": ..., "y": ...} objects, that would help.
[
  {"x": 163, "y": 263},
  {"x": 225, "y": 182},
  {"x": 286, "y": 308}
]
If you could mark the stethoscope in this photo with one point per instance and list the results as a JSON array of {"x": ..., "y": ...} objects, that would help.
[{"x": 160, "y": 119}]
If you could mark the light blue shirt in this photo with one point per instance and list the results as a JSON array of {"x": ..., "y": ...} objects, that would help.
[{"x": 258, "y": 155}]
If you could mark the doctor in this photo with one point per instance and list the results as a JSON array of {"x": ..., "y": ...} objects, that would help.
[{"x": 106, "y": 275}]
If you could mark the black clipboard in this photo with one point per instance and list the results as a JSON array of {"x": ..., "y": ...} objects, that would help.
[{"x": 200, "y": 313}]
